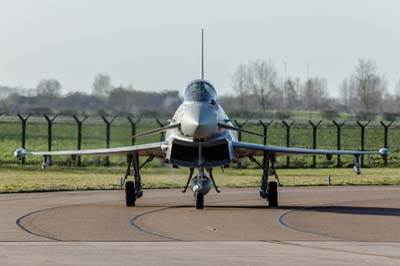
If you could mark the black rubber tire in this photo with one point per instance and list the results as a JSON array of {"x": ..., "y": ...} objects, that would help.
[
  {"x": 130, "y": 194},
  {"x": 199, "y": 201},
  {"x": 272, "y": 194}
]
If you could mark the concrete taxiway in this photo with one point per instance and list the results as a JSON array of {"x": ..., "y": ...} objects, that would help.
[{"x": 313, "y": 225}]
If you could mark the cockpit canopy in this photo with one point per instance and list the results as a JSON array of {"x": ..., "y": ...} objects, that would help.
[{"x": 199, "y": 91}]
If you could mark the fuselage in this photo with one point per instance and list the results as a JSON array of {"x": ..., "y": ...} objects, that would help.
[{"x": 199, "y": 141}]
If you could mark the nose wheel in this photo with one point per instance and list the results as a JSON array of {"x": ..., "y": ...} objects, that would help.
[{"x": 199, "y": 197}]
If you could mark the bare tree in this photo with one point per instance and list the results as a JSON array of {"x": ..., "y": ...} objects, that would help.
[
  {"x": 321, "y": 92},
  {"x": 396, "y": 97},
  {"x": 314, "y": 95},
  {"x": 48, "y": 87},
  {"x": 368, "y": 87},
  {"x": 240, "y": 85},
  {"x": 307, "y": 95},
  {"x": 102, "y": 85},
  {"x": 397, "y": 91},
  {"x": 262, "y": 79},
  {"x": 291, "y": 97},
  {"x": 345, "y": 94},
  {"x": 389, "y": 104}
]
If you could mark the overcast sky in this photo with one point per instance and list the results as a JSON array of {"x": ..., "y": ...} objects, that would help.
[{"x": 155, "y": 45}]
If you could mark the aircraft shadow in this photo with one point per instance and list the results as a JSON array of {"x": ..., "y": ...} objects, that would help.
[{"x": 355, "y": 210}]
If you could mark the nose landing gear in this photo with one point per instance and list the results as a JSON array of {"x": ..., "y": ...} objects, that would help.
[
  {"x": 200, "y": 184},
  {"x": 199, "y": 198}
]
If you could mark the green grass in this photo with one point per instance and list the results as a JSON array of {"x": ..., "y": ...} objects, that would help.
[{"x": 31, "y": 178}]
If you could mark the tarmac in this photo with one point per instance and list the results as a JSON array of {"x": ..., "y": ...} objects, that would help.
[{"x": 313, "y": 226}]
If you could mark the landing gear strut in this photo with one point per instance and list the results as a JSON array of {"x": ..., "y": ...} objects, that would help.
[
  {"x": 200, "y": 184},
  {"x": 210, "y": 172},
  {"x": 133, "y": 189},
  {"x": 188, "y": 181},
  {"x": 199, "y": 188},
  {"x": 268, "y": 190}
]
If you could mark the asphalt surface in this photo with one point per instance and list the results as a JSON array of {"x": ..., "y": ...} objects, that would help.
[{"x": 313, "y": 225}]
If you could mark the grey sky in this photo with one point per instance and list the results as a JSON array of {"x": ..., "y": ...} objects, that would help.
[{"x": 155, "y": 44}]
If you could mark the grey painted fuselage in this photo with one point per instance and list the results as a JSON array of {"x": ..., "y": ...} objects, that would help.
[{"x": 199, "y": 119}]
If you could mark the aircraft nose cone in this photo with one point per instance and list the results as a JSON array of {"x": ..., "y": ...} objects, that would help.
[{"x": 199, "y": 121}]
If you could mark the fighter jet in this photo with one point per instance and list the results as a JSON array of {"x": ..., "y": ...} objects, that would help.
[{"x": 201, "y": 137}]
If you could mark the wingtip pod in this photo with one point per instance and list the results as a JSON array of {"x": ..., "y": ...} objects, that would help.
[
  {"x": 19, "y": 153},
  {"x": 384, "y": 152}
]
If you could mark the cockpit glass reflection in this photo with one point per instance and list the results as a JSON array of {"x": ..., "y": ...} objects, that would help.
[{"x": 199, "y": 92}]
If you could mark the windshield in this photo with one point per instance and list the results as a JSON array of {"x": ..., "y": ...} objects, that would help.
[{"x": 199, "y": 91}]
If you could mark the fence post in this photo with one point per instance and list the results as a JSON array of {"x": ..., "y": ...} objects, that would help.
[
  {"x": 24, "y": 120},
  {"x": 362, "y": 126},
  {"x": 161, "y": 124},
  {"x": 79, "y": 137},
  {"x": 288, "y": 126},
  {"x": 240, "y": 125},
  {"x": 265, "y": 136},
  {"x": 338, "y": 142},
  {"x": 49, "y": 134},
  {"x": 133, "y": 128},
  {"x": 265, "y": 131},
  {"x": 314, "y": 128},
  {"x": 108, "y": 135},
  {"x": 385, "y": 137}
]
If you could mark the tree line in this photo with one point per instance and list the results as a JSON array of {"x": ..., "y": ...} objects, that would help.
[
  {"x": 256, "y": 87},
  {"x": 104, "y": 99},
  {"x": 364, "y": 92}
]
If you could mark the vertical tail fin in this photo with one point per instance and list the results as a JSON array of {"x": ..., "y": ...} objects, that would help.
[{"x": 202, "y": 54}]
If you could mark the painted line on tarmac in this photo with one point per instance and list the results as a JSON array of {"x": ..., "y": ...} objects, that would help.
[
  {"x": 18, "y": 222},
  {"x": 133, "y": 223}
]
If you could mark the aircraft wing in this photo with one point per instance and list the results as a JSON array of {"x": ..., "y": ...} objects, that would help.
[
  {"x": 151, "y": 149},
  {"x": 245, "y": 149}
]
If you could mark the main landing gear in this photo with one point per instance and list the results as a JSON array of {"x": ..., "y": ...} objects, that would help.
[
  {"x": 130, "y": 193},
  {"x": 133, "y": 189},
  {"x": 268, "y": 190}
]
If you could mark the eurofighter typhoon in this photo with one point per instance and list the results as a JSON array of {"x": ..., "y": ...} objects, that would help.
[{"x": 201, "y": 137}]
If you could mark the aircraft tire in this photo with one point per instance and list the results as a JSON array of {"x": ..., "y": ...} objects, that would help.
[
  {"x": 130, "y": 194},
  {"x": 272, "y": 194},
  {"x": 199, "y": 200}
]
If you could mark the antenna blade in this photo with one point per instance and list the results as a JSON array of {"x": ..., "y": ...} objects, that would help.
[{"x": 202, "y": 53}]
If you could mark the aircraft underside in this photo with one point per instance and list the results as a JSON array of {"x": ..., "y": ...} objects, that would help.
[{"x": 200, "y": 158}]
